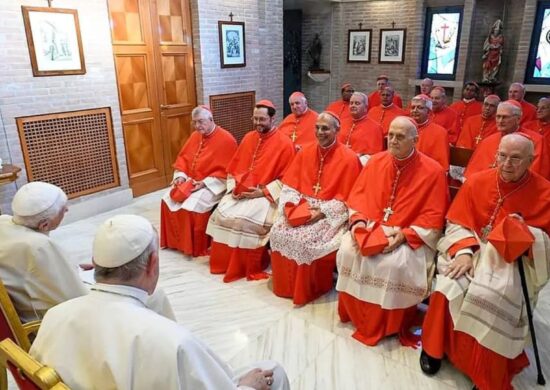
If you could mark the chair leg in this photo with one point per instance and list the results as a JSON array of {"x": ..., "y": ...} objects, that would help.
[{"x": 3, "y": 379}]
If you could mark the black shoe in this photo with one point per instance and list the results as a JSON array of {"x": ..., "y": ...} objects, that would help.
[{"x": 428, "y": 364}]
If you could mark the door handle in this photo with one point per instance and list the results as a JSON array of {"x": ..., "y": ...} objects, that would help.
[{"x": 164, "y": 106}]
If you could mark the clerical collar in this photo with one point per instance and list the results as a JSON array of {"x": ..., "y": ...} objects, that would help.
[
  {"x": 211, "y": 132},
  {"x": 330, "y": 146},
  {"x": 303, "y": 113},
  {"x": 122, "y": 290},
  {"x": 386, "y": 107},
  {"x": 360, "y": 119},
  {"x": 510, "y": 185},
  {"x": 400, "y": 162},
  {"x": 269, "y": 133},
  {"x": 423, "y": 123},
  {"x": 468, "y": 100}
]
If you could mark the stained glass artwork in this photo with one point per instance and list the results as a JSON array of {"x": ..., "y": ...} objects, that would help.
[
  {"x": 443, "y": 43},
  {"x": 542, "y": 60}
]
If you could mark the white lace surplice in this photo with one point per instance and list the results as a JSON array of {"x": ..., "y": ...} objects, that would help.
[{"x": 309, "y": 242}]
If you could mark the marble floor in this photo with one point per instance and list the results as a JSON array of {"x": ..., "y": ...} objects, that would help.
[{"x": 244, "y": 322}]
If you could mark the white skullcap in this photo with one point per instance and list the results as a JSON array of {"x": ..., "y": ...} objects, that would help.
[
  {"x": 34, "y": 198},
  {"x": 121, "y": 239}
]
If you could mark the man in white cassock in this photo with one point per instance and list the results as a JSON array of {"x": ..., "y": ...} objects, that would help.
[
  {"x": 109, "y": 339},
  {"x": 33, "y": 267}
]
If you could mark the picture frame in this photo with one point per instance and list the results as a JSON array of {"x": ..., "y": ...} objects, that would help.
[
  {"x": 54, "y": 41},
  {"x": 392, "y": 46},
  {"x": 232, "y": 44},
  {"x": 359, "y": 45}
]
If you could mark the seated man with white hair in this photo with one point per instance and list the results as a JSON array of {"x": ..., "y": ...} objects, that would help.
[
  {"x": 477, "y": 318},
  {"x": 33, "y": 267},
  {"x": 381, "y": 283},
  {"x": 109, "y": 339}
]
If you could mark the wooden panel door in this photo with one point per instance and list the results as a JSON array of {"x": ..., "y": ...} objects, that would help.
[
  {"x": 176, "y": 75},
  {"x": 155, "y": 108}
]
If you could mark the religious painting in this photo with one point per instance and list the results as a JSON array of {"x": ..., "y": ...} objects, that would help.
[
  {"x": 53, "y": 38},
  {"x": 441, "y": 41},
  {"x": 359, "y": 42},
  {"x": 232, "y": 44},
  {"x": 538, "y": 63},
  {"x": 392, "y": 46}
]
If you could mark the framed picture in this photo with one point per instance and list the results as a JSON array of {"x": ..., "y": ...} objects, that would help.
[
  {"x": 392, "y": 46},
  {"x": 538, "y": 62},
  {"x": 232, "y": 44},
  {"x": 441, "y": 42},
  {"x": 53, "y": 37},
  {"x": 359, "y": 45}
]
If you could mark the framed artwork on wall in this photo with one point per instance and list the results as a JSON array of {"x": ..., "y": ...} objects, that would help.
[
  {"x": 232, "y": 44},
  {"x": 359, "y": 43},
  {"x": 392, "y": 46},
  {"x": 538, "y": 62},
  {"x": 53, "y": 38},
  {"x": 441, "y": 42}
]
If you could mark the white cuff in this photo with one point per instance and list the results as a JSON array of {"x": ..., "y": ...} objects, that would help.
[{"x": 465, "y": 251}]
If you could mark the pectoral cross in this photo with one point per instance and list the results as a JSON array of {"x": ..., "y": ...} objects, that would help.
[
  {"x": 317, "y": 188},
  {"x": 293, "y": 136},
  {"x": 387, "y": 212},
  {"x": 485, "y": 230},
  {"x": 478, "y": 138}
]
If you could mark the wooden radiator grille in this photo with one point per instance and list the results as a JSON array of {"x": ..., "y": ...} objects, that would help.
[
  {"x": 73, "y": 150},
  {"x": 234, "y": 111}
]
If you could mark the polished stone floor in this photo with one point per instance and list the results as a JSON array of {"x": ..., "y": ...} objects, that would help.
[{"x": 244, "y": 322}]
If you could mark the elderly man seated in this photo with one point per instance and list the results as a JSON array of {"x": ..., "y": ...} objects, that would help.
[
  {"x": 385, "y": 263},
  {"x": 477, "y": 316},
  {"x": 198, "y": 185},
  {"x": 35, "y": 269},
  {"x": 109, "y": 339},
  {"x": 318, "y": 180}
]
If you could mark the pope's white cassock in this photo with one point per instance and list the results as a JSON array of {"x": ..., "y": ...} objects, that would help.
[
  {"x": 131, "y": 347},
  {"x": 38, "y": 276},
  {"x": 35, "y": 271}
]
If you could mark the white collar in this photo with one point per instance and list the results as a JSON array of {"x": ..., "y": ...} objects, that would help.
[{"x": 119, "y": 289}]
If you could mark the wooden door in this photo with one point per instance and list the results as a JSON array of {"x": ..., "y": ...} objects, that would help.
[
  {"x": 175, "y": 75},
  {"x": 154, "y": 122}
]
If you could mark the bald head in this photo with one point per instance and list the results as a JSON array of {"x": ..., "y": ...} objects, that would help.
[
  {"x": 516, "y": 91},
  {"x": 402, "y": 136},
  {"x": 515, "y": 155}
]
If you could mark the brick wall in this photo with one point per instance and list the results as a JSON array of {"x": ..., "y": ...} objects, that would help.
[
  {"x": 478, "y": 16},
  {"x": 264, "y": 49},
  {"x": 333, "y": 27},
  {"x": 22, "y": 94}
]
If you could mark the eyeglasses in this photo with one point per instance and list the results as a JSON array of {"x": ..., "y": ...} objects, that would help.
[{"x": 515, "y": 161}]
